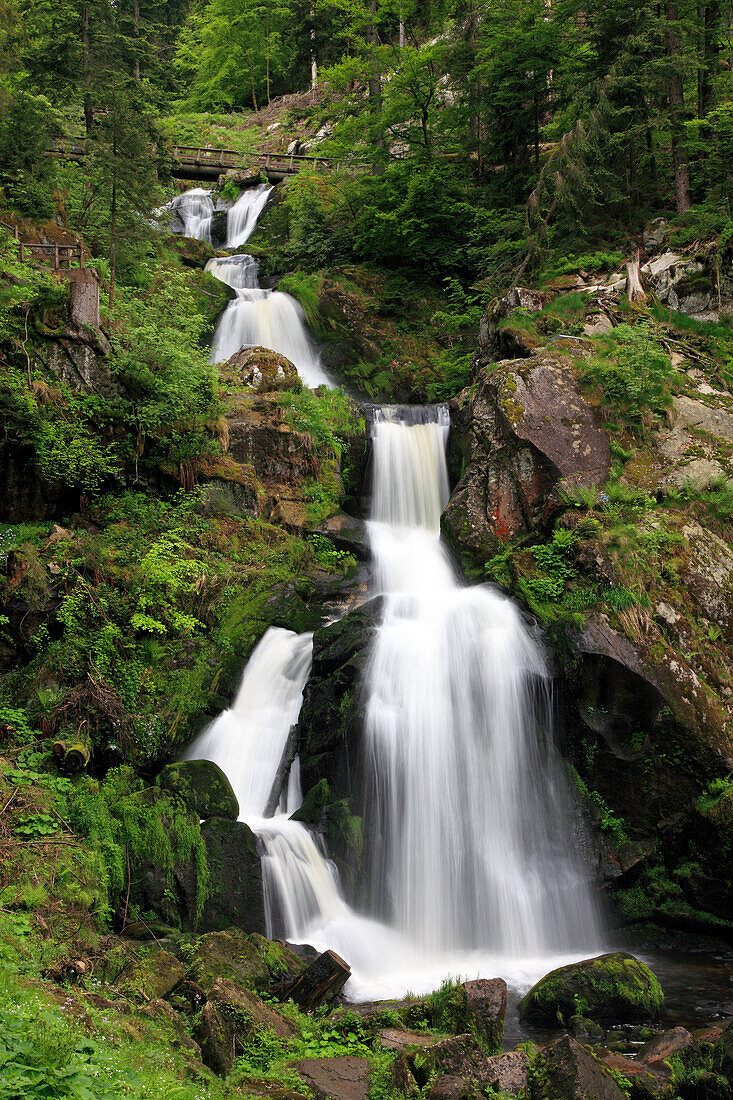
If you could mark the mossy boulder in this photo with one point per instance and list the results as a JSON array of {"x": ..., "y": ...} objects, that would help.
[
  {"x": 229, "y": 1018},
  {"x": 567, "y": 1071},
  {"x": 476, "y": 1007},
  {"x": 157, "y": 975},
  {"x": 266, "y": 371},
  {"x": 202, "y": 786},
  {"x": 232, "y": 954},
  {"x": 610, "y": 987}
]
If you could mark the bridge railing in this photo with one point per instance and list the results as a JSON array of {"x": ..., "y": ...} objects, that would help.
[{"x": 59, "y": 256}]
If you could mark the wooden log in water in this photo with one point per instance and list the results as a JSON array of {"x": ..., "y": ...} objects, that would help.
[{"x": 318, "y": 983}]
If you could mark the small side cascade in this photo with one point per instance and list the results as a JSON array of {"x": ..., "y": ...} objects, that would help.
[
  {"x": 245, "y": 213},
  {"x": 195, "y": 208}
]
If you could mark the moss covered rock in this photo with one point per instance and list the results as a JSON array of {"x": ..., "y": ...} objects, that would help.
[
  {"x": 610, "y": 987},
  {"x": 264, "y": 370},
  {"x": 202, "y": 786},
  {"x": 232, "y": 954},
  {"x": 235, "y": 897},
  {"x": 157, "y": 975},
  {"x": 567, "y": 1071}
]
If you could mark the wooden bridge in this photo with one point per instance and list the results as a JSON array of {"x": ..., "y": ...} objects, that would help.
[
  {"x": 198, "y": 162},
  {"x": 61, "y": 257}
]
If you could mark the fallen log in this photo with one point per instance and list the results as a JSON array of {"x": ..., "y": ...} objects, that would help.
[{"x": 318, "y": 983}]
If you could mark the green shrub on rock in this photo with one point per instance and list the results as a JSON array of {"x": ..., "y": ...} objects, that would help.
[{"x": 610, "y": 987}]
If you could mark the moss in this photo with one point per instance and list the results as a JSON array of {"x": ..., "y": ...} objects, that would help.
[{"x": 614, "y": 986}]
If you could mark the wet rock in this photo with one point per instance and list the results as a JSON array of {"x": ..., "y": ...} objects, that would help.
[
  {"x": 519, "y": 431},
  {"x": 582, "y": 1028},
  {"x": 344, "y": 1078},
  {"x": 202, "y": 786},
  {"x": 232, "y": 955},
  {"x": 264, "y": 370},
  {"x": 677, "y": 1041},
  {"x": 228, "y": 1018},
  {"x": 330, "y": 729},
  {"x": 219, "y": 222},
  {"x": 346, "y": 533},
  {"x": 567, "y": 1071},
  {"x": 508, "y": 1073},
  {"x": 647, "y": 1082},
  {"x": 609, "y": 987},
  {"x": 236, "y": 896}
]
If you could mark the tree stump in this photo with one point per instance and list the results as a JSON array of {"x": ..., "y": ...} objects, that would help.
[{"x": 319, "y": 982}]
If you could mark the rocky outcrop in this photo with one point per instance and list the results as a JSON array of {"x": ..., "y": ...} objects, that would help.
[
  {"x": 236, "y": 896},
  {"x": 698, "y": 285},
  {"x": 263, "y": 370},
  {"x": 519, "y": 431},
  {"x": 609, "y": 987}
]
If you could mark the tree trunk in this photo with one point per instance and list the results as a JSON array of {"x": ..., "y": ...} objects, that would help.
[
  {"x": 87, "y": 71},
  {"x": 113, "y": 227},
  {"x": 709, "y": 17},
  {"x": 676, "y": 103},
  {"x": 375, "y": 87},
  {"x": 634, "y": 289},
  {"x": 314, "y": 62},
  {"x": 319, "y": 982},
  {"x": 136, "y": 28}
]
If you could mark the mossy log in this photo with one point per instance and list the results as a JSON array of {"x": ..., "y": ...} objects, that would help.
[{"x": 78, "y": 754}]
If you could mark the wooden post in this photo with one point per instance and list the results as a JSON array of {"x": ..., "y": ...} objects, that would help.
[
  {"x": 56, "y": 264},
  {"x": 22, "y": 257}
]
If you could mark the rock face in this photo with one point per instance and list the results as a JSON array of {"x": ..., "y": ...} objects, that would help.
[
  {"x": 202, "y": 787},
  {"x": 330, "y": 732},
  {"x": 236, "y": 897},
  {"x": 693, "y": 285},
  {"x": 610, "y": 987},
  {"x": 567, "y": 1071},
  {"x": 519, "y": 431}
]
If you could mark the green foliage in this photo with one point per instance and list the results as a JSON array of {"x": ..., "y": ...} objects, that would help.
[
  {"x": 328, "y": 415},
  {"x": 635, "y": 375},
  {"x": 128, "y": 824}
]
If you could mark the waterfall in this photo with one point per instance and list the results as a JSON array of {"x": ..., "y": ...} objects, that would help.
[
  {"x": 468, "y": 819},
  {"x": 263, "y": 318},
  {"x": 467, "y": 809},
  {"x": 196, "y": 210},
  {"x": 244, "y": 214}
]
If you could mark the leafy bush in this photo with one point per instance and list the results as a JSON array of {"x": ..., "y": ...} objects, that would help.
[{"x": 635, "y": 374}]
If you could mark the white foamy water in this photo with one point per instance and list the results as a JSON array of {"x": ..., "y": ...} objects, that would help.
[
  {"x": 244, "y": 213},
  {"x": 468, "y": 822},
  {"x": 263, "y": 318},
  {"x": 196, "y": 210}
]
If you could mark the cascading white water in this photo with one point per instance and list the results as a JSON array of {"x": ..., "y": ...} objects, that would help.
[
  {"x": 196, "y": 210},
  {"x": 467, "y": 816},
  {"x": 467, "y": 808},
  {"x": 263, "y": 318},
  {"x": 244, "y": 214}
]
